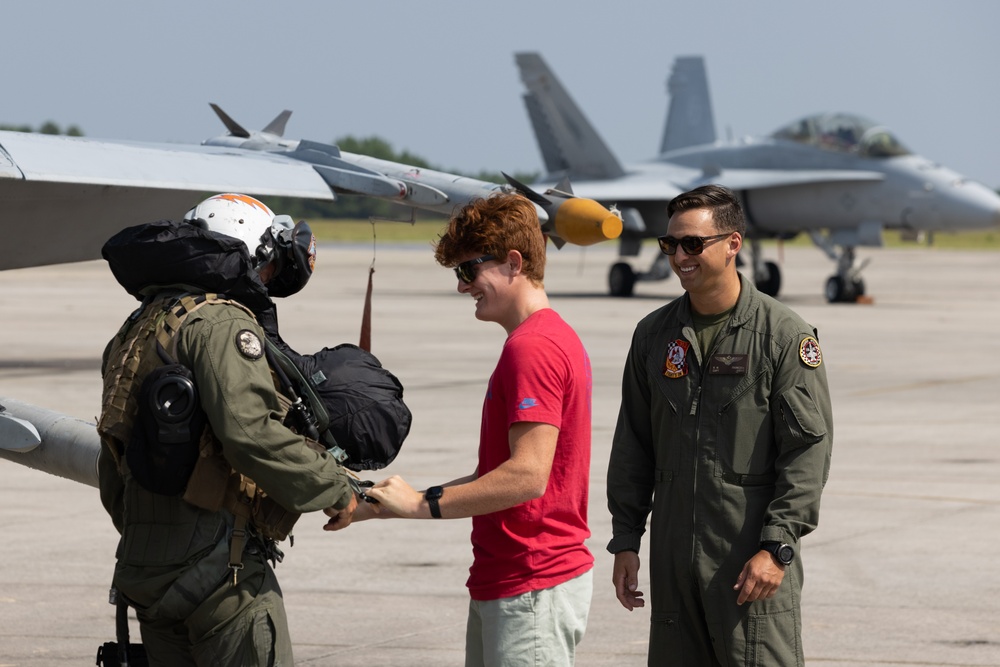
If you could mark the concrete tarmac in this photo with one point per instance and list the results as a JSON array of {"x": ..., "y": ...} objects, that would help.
[{"x": 902, "y": 570}]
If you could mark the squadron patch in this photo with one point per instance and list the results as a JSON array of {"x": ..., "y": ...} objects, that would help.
[
  {"x": 810, "y": 353},
  {"x": 249, "y": 345},
  {"x": 676, "y": 365}
]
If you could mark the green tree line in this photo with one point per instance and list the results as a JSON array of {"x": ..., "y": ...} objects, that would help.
[{"x": 48, "y": 127}]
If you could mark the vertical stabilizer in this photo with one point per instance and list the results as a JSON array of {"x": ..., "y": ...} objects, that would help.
[
  {"x": 566, "y": 139},
  {"x": 689, "y": 117}
]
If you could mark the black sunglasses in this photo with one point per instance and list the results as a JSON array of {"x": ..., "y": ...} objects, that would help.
[
  {"x": 693, "y": 245},
  {"x": 466, "y": 271}
]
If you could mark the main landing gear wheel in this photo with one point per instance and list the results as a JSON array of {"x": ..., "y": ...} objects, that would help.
[
  {"x": 839, "y": 290},
  {"x": 621, "y": 279},
  {"x": 772, "y": 284}
]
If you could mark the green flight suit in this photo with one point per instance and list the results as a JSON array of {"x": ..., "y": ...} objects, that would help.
[
  {"x": 173, "y": 557},
  {"x": 730, "y": 452}
]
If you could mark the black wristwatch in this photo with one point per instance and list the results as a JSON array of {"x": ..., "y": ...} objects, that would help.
[
  {"x": 432, "y": 495},
  {"x": 783, "y": 552}
]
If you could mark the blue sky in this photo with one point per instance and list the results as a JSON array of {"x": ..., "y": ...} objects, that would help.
[{"x": 438, "y": 78}]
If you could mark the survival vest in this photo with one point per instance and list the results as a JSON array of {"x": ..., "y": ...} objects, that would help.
[{"x": 178, "y": 454}]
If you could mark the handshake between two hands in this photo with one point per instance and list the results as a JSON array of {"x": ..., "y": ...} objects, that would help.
[{"x": 392, "y": 497}]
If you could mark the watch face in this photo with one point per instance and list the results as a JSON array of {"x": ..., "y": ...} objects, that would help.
[
  {"x": 785, "y": 554},
  {"x": 434, "y": 493}
]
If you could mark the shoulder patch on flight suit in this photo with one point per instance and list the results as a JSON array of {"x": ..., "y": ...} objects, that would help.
[
  {"x": 249, "y": 345},
  {"x": 809, "y": 352},
  {"x": 676, "y": 365}
]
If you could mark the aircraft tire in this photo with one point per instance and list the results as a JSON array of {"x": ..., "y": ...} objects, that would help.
[
  {"x": 621, "y": 279},
  {"x": 834, "y": 289},
  {"x": 772, "y": 285},
  {"x": 837, "y": 290}
]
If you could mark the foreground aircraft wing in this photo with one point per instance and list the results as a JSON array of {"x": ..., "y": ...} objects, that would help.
[
  {"x": 77, "y": 160},
  {"x": 61, "y": 198}
]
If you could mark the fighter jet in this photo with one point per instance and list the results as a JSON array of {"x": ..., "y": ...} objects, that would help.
[
  {"x": 76, "y": 192},
  {"x": 837, "y": 177}
]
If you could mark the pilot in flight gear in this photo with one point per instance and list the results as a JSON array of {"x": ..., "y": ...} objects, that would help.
[{"x": 194, "y": 564}]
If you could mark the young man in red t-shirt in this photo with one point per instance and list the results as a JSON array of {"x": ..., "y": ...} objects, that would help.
[{"x": 531, "y": 577}]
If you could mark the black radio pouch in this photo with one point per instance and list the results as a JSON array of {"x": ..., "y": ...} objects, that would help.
[{"x": 163, "y": 449}]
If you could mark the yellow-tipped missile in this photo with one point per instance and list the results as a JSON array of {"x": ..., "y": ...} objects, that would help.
[
  {"x": 572, "y": 219},
  {"x": 584, "y": 222}
]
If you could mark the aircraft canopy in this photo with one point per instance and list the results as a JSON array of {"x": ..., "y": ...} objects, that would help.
[{"x": 843, "y": 133}]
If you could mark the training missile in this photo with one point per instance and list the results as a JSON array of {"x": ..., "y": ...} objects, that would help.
[
  {"x": 572, "y": 219},
  {"x": 49, "y": 441}
]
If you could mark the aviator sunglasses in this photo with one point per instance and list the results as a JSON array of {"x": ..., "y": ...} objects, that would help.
[
  {"x": 693, "y": 245},
  {"x": 466, "y": 271}
]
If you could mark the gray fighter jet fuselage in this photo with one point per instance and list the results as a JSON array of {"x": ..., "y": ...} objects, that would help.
[{"x": 838, "y": 177}]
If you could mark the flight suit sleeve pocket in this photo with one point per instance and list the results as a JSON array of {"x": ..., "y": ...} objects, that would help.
[{"x": 801, "y": 419}]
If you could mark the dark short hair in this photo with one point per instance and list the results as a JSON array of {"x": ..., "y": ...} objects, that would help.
[
  {"x": 727, "y": 214},
  {"x": 494, "y": 226}
]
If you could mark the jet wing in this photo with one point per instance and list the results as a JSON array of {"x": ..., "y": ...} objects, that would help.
[
  {"x": 36, "y": 157},
  {"x": 653, "y": 186},
  {"x": 61, "y": 198},
  {"x": 754, "y": 179}
]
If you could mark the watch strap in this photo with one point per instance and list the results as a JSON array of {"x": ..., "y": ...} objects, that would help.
[
  {"x": 431, "y": 495},
  {"x": 778, "y": 550}
]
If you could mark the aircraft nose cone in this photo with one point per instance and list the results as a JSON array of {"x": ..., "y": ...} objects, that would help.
[{"x": 973, "y": 206}]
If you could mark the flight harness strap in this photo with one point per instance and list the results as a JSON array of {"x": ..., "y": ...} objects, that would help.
[
  {"x": 242, "y": 511},
  {"x": 166, "y": 338},
  {"x": 170, "y": 325}
]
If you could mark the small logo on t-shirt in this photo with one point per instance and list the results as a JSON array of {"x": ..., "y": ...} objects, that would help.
[{"x": 527, "y": 403}]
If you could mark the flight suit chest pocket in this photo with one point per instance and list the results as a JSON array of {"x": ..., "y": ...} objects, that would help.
[
  {"x": 670, "y": 396},
  {"x": 744, "y": 435}
]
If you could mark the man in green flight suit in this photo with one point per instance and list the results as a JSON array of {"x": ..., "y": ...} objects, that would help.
[
  {"x": 199, "y": 512},
  {"x": 724, "y": 434}
]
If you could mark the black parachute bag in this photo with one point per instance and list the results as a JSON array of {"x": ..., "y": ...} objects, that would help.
[
  {"x": 163, "y": 449},
  {"x": 364, "y": 402}
]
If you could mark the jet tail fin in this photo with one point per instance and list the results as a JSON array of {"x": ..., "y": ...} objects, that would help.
[
  {"x": 275, "y": 127},
  {"x": 689, "y": 116},
  {"x": 234, "y": 128},
  {"x": 568, "y": 142}
]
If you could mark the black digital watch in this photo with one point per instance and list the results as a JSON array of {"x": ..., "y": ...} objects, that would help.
[
  {"x": 784, "y": 553},
  {"x": 432, "y": 495}
]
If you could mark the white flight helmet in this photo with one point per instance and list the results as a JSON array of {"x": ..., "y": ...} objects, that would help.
[{"x": 243, "y": 218}]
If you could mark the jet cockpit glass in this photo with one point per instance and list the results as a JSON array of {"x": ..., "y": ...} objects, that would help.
[{"x": 843, "y": 133}]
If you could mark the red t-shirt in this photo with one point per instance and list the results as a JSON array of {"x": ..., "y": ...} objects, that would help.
[{"x": 543, "y": 375}]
